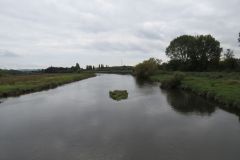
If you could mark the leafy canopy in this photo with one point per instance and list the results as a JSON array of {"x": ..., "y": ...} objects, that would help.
[
  {"x": 195, "y": 52},
  {"x": 147, "y": 68}
]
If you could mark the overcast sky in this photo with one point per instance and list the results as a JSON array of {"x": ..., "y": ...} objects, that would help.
[{"x": 41, "y": 33}]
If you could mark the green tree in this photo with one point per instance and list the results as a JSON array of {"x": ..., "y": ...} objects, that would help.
[
  {"x": 209, "y": 51},
  {"x": 194, "y": 52},
  {"x": 77, "y": 67},
  {"x": 229, "y": 62},
  {"x": 239, "y": 38},
  {"x": 147, "y": 68},
  {"x": 229, "y": 54},
  {"x": 180, "y": 48}
]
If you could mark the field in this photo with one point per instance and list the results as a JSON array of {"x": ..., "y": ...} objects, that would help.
[
  {"x": 219, "y": 86},
  {"x": 14, "y": 85}
]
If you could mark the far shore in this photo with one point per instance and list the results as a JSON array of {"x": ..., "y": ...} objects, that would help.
[{"x": 15, "y": 85}]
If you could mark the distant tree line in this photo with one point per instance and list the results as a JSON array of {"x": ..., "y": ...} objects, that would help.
[
  {"x": 72, "y": 69},
  {"x": 115, "y": 69},
  {"x": 100, "y": 67}
]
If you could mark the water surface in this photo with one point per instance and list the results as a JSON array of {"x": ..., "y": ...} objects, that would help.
[{"x": 79, "y": 121}]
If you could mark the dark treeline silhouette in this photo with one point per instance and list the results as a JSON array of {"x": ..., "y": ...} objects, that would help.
[
  {"x": 115, "y": 69},
  {"x": 107, "y": 69},
  {"x": 199, "y": 53},
  {"x": 72, "y": 69},
  {"x": 92, "y": 68},
  {"x": 99, "y": 67}
]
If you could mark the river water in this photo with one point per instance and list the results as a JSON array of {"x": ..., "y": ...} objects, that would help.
[{"x": 79, "y": 121}]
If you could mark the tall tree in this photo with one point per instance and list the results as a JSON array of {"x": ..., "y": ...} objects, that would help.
[
  {"x": 229, "y": 61},
  {"x": 77, "y": 67},
  {"x": 209, "y": 51},
  {"x": 194, "y": 52},
  {"x": 228, "y": 54},
  {"x": 239, "y": 38},
  {"x": 180, "y": 48}
]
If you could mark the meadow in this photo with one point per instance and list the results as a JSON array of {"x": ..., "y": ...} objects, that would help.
[
  {"x": 14, "y": 85},
  {"x": 221, "y": 87}
]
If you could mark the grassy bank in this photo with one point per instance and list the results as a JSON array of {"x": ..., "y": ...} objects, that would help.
[
  {"x": 14, "y": 85},
  {"x": 221, "y": 87}
]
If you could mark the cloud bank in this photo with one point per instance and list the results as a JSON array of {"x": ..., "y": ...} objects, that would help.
[{"x": 37, "y": 34}]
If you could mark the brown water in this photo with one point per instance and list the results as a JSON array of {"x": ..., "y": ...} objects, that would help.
[{"x": 79, "y": 121}]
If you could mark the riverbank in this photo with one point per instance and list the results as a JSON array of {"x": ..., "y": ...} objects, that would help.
[
  {"x": 15, "y": 85},
  {"x": 223, "y": 88}
]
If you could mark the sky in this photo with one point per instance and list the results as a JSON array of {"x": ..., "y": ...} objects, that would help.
[{"x": 41, "y": 33}]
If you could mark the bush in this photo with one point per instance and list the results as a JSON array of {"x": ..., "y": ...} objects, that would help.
[
  {"x": 147, "y": 68},
  {"x": 173, "y": 82},
  {"x": 118, "y": 94}
]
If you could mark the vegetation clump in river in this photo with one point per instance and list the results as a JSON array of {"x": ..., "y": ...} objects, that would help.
[{"x": 118, "y": 94}]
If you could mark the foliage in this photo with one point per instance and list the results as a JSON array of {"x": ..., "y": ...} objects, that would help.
[
  {"x": 194, "y": 53},
  {"x": 229, "y": 63},
  {"x": 173, "y": 82},
  {"x": 118, "y": 94},
  {"x": 77, "y": 67},
  {"x": 147, "y": 68},
  {"x": 220, "y": 86},
  {"x": 72, "y": 69},
  {"x": 239, "y": 38},
  {"x": 116, "y": 69},
  {"x": 229, "y": 54}
]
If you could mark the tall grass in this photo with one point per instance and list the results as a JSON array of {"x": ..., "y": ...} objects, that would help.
[
  {"x": 14, "y": 85},
  {"x": 219, "y": 86}
]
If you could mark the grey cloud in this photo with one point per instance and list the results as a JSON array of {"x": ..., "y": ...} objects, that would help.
[
  {"x": 61, "y": 32},
  {"x": 7, "y": 54},
  {"x": 116, "y": 47}
]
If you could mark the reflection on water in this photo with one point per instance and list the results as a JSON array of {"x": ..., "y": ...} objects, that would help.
[
  {"x": 79, "y": 121},
  {"x": 187, "y": 103}
]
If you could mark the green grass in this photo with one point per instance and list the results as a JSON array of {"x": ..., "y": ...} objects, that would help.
[
  {"x": 221, "y": 87},
  {"x": 118, "y": 94},
  {"x": 14, "y": 85}
]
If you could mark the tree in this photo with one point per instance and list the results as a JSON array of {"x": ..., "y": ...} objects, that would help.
[
  {"x": 180, "y": 48},
  {"x": 229, "y": 54},
  {"x": 229, "y": 62},
  {"x": 239, "y": 38},
  {"x": 209, "y": 51},
  {"x": 195, "y": 53},
  {"x": 146, "y": 68},
  {"x": 77, "y": 67}
]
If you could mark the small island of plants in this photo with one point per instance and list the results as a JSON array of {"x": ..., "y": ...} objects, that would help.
[{"x": 118, "y": 95}]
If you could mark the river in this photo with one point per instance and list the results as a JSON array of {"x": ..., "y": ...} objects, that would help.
[{"x": 79, "y": 121}]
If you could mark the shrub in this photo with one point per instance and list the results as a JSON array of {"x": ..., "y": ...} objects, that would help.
[
  {"x": 147, "y": 68},
  {"x": 173, "y": 82}
]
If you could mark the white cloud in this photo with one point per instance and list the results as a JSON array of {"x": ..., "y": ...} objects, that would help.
[{"x": 62, "y": 32}]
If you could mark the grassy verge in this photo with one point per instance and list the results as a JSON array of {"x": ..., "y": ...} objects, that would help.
[
  {"x": 14, "y": 85},
  {"x": 223, "y": 88}
]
